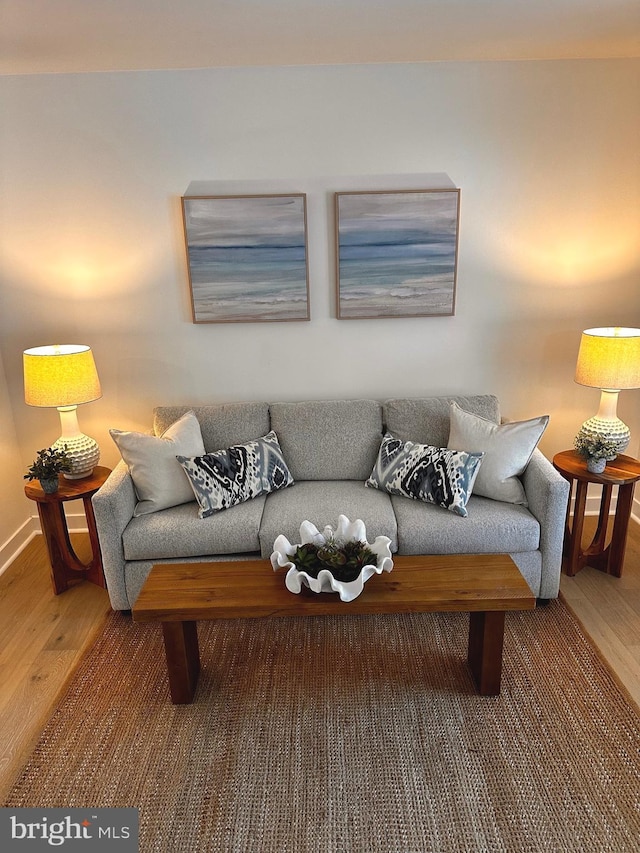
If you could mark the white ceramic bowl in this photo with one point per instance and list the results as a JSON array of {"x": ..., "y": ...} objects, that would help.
[{"x": 346, "y": 531}]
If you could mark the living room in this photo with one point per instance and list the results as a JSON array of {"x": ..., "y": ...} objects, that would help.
[{"x": 533, "y": 115}]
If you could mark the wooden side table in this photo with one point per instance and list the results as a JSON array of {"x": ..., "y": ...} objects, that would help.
[
  {"x": 623, "y": 472},
  {"x": 66, "y": 568}
]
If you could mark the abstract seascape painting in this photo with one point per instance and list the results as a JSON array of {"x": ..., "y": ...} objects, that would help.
[
  {"x": 396, "y": 253},
  {"x": 247, "y": 257}
]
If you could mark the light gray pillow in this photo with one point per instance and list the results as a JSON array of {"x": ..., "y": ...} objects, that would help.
[
  {"x": 159, "y": 479},
  {"x": 507, "y": 450}
]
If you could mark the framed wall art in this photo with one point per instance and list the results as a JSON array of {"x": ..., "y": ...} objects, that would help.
[
  {"x": 396, "y": 253},
  {"x": 247, "y": 257}
]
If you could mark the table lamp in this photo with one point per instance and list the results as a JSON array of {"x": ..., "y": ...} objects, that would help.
[
  {"x": 608, "y": 359},
  {"x": 63, "y": 376}
]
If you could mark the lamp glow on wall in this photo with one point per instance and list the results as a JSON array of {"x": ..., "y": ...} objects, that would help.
[
  {"x": 64, "y": 376},
  {"x": 608, "y": 359}
]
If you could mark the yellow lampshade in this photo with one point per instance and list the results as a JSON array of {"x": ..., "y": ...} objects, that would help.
[
  {"x": 60, "y": 375},
  {"x": 609, "y": 358}
]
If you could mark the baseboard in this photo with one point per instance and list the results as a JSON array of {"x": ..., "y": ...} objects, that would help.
[
  {"x": 18, "y": 542},
  {"x": 593, "y": 506},
  {"x": 76, "y": 523}
]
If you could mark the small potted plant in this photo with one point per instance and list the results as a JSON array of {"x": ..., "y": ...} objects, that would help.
[
  {"x": 596, "y": 450},
  {"x": 50, "y": 462}
]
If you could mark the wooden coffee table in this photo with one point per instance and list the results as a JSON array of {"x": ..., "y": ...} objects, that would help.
[{"x": 485, "y": 585}]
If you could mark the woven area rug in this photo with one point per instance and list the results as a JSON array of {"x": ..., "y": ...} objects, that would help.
[{"x": 350, "y": 735}]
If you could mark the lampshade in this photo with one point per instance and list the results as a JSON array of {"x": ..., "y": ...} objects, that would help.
[
  {"x": 60, "y": 375},
  {"x": 609, "y": 358}
]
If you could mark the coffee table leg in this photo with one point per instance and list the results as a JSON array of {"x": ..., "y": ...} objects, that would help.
[
  {"x": 183, "y": 659},
  {"x": 486, "y": 634}
]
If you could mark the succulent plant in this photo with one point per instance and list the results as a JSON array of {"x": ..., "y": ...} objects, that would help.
[
  {"x": 344, "y": 560},
  {"x": 331, "y": 555},
  {"x": 306, "y": 557}
]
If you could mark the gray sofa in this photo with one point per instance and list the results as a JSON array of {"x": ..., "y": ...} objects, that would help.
[{"x": 330, "y": 448}]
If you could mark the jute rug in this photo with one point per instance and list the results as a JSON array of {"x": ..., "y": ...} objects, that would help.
[{"x": 350, "y": 735}]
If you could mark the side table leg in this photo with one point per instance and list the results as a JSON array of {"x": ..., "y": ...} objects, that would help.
[
  {"x": 618, "y": 543},
  {"x": 65, "y": 566},
  {"x": 486, "y": 637},
  {"x": 600, "y": 536},
  {"x": 566, "y": 542},
  {"x": 574, "y": 563},
  {"x": 183, "y": 659}
]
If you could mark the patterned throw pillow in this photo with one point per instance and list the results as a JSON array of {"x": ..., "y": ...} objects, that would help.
[
  {"x": 228, "y": 477},
  {"x": 425, "y": 473}
]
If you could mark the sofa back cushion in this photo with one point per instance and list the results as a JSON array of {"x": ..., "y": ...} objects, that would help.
[
  {"x": 426, "y": 420},
  {"x": 328, "y": 439},
  {"x": 221, "y": 425}
]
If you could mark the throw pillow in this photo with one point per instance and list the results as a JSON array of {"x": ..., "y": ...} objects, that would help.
[
  {"x": 228, "y": 477},
  {"x": 157, "y": 476},
  {"x": 425, "y": 473},
  {"x": 507, "y": 450}
]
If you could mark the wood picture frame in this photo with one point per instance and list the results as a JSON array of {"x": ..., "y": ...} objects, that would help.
[
  {"x": 247, "y": 257},
  {"x": 396, "y": 253}
]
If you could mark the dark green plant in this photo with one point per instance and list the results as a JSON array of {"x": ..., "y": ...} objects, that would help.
[
  {"x": 345, "y": 560},
  {"x": 49, "y": 462}
]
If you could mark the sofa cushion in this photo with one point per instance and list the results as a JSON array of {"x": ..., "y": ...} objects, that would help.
[
  {"x": 178, "y": 532},
  {"x": 425, "y": 473},
  {"x": 157, "y": 476},
  {"x": 221, "y": 425},
  {"x": 492, "y": 527},
  {"x": 507, "y": 450},
  {"x": 329, "y": 439},
  {"x": 426, "y": 420},
  {"x": 321, "y": 502},
  {"x": 239, "y": 473}
]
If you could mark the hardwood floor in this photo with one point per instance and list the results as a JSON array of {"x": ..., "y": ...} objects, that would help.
[
  {"x": 609, "y": 610},
  {"x": 43, "y": 637}
]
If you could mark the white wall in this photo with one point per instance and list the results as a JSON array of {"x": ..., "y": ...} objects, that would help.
[
  {"x": 14, "y": 507},
  {"x": 546, "y": 156}
]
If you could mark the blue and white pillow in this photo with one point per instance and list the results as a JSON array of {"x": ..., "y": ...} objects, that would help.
[
  {"x": 228, "y": 477},
  {"x": 425, "y": 473}
]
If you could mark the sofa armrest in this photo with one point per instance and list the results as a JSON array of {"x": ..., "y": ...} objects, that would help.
[
  {"x": 113, "y": 506},
  {"x": 547, "y": 494}
]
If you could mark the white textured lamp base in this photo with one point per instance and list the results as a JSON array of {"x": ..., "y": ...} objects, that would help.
[
  {"x": 608, "y": 429},
  {"x": 84, "y": 453}
]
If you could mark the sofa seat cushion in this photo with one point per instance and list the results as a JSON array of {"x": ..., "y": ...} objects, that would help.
[
  {"x": 492, "y": 527},
  {"x": 321, "y": 502},
  {"x": 426, "y": 420},
  {"x": 178, "y": 532},
  {"x": 329, "y": 439}
]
